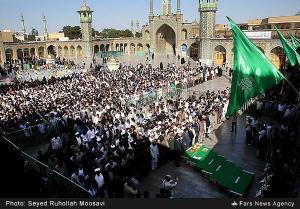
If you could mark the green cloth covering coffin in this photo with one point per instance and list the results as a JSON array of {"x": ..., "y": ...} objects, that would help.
[{"x": 219, "y": 170}]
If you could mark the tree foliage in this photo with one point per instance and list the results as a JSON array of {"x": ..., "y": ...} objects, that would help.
[
  {"x": 73, "y": 32},
  {"x": 114, "y": 33},
  {"x": 138, "y": 34}
]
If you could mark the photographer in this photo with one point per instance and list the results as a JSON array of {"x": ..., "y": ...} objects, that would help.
[{"x": 169, "y": 185}]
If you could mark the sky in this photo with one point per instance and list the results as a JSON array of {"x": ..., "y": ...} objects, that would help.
[{"x": 119, "y": 13}]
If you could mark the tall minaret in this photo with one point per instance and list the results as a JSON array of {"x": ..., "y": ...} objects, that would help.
[
  {"x": 137, "y": 26},
  {"x": 45, "y": 28},
  {"x": 132, "y": 28},
  {"x": 178, "y": 7},
  {"x": 23, "y": 24},
  {"x": 151, "y": 13},
  {"x": 207, "y": 10},
  {"x": 166, "y": 7},
  {"x": 86, "y": 19}
]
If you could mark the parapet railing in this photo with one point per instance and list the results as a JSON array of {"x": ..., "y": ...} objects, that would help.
[{"x": 55, "y": 184}]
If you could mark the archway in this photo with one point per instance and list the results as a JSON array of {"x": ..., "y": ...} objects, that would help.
[
  {"x": 117, "y": 47},
  {"x": 9, "y": 54},
  {"x": 41, "y": 52},
  {"x": 165, "y": 40},
  {"x": 72, "y": 51},
  {"x": 66, "y": 51},
  {"x": 132, "y": 49},
  {"x": 147, "y": 35},
  {"x": 79, "y": 51},
  {"x": 278, "y": 57},
  {"x": 26, "y": 53},
  {"x": 102, "y": 48},
  {"x": 194, "y": 51},
  {"x": 125, "y": 48},
  {"x": 140, "y": 47},
  {"x": 107, "y": 48},
  {"x": 19, "y": 54},
  {"x": 32, "y": 52},
  {"x": 96, "y": 49},
  {"x": 184, "y": 34},
  {"x": 51, "y": 50},
  {"x": 220, "y": 55},
  {"x": 121, "y": 48},
  {"x": 59, "y": 51}
]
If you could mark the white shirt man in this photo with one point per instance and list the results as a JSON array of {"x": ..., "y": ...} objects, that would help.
[
  {"x": 56, "y": 143},
  {"x": 99, "y": 178},
  {"x": 154, "y": 155}
]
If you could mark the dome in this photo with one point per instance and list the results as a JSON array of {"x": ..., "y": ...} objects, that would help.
[{"x": 85, "y": 8}]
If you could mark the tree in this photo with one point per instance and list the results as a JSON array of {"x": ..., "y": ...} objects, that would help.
[
  {"x": 138, "y": 34},
  {"x": 73, "y": 32},
  {"x": 113, "y": 33},
  {"x": 95, "y": 33}
]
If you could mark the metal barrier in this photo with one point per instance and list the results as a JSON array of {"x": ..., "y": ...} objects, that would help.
[
  {"x": 56, "y": 185},
  {"x": 32, "y": 136}
]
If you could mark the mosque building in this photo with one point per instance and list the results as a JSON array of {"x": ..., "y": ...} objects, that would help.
[{"x": 165, "y": 35}]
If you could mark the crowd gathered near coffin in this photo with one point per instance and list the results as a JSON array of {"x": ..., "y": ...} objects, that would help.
[
  {"x": 276, "y": 140},
  {"x": 101, "y": 142}
]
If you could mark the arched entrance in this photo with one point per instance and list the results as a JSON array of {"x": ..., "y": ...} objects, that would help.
[
  {"x": 165, "y": 40},
  {"x": 220, "y": 55},
  {"x": 41, "y": 52},
  {"x": 32, "y": 52},
  {"x": 51, "y": 50},
  {"x": 132, "y": 49},
  {"x": 102, "y": 48},
  {"x": 107, "y": 47},
  {"x": 19, "y": 54},
  {"x": 59, "y": 53},
  {"x": 79, "y": 51},
  {"x": 72, "y": 51},
  {"x": 194, "y": 51},
  {"x": 96, "y": 49},
  {"x": 9, "y": 54},
  {"x": 26, "y": 53},
  {"x": 147, "y": 35},
  {"x": 278, "y": 57},
  {"x": 66, "y": 51}
]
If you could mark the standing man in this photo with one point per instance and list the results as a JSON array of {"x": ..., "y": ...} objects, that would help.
[
  {"x": 154, "y": 155},
  {"x": 233, "y": 123},
  {"x": 169, "y": 185}
]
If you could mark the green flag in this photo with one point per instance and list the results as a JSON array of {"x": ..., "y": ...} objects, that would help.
[
  {"x": 253, "y": 72},
  {"x": 295, "y": 42},
  {"x": 290, "y": 52}
]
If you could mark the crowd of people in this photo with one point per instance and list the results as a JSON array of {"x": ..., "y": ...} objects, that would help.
[
  {"x": 99, "y": 141},
  {"x": 275, "y": 139}
]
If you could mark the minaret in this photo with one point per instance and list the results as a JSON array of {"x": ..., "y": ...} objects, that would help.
[
  {"x": 137, "y": 26},
  {"x": 45, "y": 28},
  {"x": 179, "y": 16},
  {"x": 166, "y": 7},
  {"x": 151, "y": 14},
  {"x": 178, "y": 7},
  {"x": 86, "y": 19},
  {"x": 23, "y": 24},
  {"x": 132, "y": 28},
  {"x": 207, "y": 10}
]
